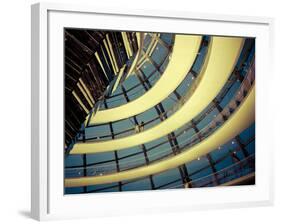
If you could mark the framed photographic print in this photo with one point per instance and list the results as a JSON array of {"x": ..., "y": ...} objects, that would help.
[{"x": 148, "y": 111}]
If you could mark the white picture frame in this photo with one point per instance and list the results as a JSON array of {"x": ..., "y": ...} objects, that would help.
[{"x": 48, "y": 201}]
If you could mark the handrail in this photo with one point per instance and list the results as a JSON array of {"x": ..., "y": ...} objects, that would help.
[
  {"x": 216, "y": 74},
  {"x": 243, "y": 117},
  {"x": 246, "y": 85},
  {"x": 181, "y": 61},
  {"x": 188, "y": 184},
  {"x": 167, "y": 113},
  {"x": 251, "y": 66},
  {"x": 222, "y": 176}
]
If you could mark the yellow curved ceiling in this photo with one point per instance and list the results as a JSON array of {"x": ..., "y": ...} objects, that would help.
[
  {"x": 184, "y": 53},
  {"x": 240, "y": 120},
  {"x": 215, "y": 73}
]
